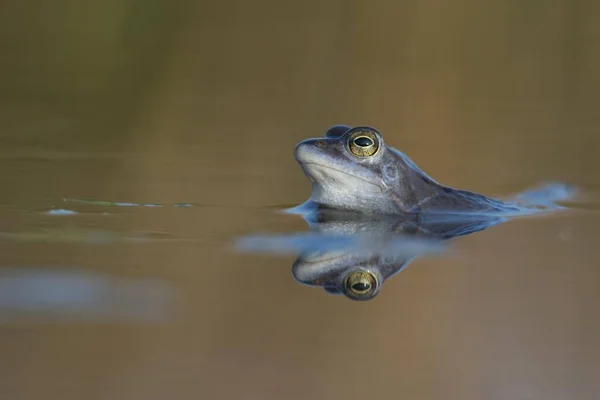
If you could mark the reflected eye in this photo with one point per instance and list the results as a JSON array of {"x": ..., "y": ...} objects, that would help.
[
  {"x": 360, "y": 285},
  {"x": 363, "y": 144}
]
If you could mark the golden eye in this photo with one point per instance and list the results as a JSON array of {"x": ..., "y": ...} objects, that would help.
[
  {"x": 363, "y": 144},
  {"x": 360, "y": 285}
]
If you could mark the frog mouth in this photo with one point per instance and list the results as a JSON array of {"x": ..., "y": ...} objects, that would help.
[{"x": 322, "y": 175}]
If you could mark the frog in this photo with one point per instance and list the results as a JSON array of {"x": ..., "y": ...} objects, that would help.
[{"x": 353, "y": 169}]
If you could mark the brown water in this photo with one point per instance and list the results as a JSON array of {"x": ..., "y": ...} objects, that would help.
[{"x": 189, "y": 102}]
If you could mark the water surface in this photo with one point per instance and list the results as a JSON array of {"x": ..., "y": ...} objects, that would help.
[{"x": 168, "y": 103}]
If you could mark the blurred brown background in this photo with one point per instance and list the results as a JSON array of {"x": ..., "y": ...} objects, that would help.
[{"x": 203, "y": 102}]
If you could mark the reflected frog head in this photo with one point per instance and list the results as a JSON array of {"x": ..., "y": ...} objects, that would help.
[
  {"x": 354, "y": 255},
  {"x": 358, "y": 277}
]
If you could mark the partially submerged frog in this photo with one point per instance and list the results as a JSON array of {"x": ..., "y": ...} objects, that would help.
[
  {"x": 372, "y": 211},
  {"x": 353, "y": 169}
]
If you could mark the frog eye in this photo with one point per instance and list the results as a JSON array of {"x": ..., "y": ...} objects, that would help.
[
  {"x": 363, "y": 143},
  {"x": 360, "y": 285}
]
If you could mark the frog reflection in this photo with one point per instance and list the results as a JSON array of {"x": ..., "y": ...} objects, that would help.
[{"x": 359, "y": 275}]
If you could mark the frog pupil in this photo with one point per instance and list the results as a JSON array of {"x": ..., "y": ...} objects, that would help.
[
  {"x": 363, "y": 141},
  {"x": 361, "y": 286}
]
